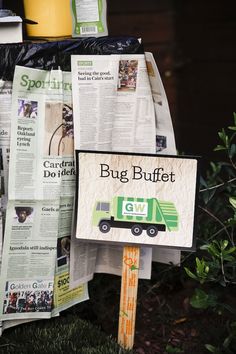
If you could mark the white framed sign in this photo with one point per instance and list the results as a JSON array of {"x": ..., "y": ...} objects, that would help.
[{"x": 131, "y": 198}]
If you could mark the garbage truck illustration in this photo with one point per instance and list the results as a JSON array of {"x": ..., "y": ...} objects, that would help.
[{"x": 136, "y": 214}]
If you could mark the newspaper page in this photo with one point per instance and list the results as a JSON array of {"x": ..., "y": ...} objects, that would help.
[
  {"x": 28, "y": 259},
  {"x": 5, "y": 104},
  {"x": 5, "y": 151},
  {"x": 113, "y": 103},
  {"x": 165, "y": 139},
  {"x": 1, "y": 240},
  {"x": 114, "y": 111},
  {"x": 5, "y": 114},
  {"x": 1, "y": 228},
  {"x": 64, "y": 295},
  {"x": 5, "y": 125},
  {"x": 83, "y": 262},
  {"x": 109, "y": 260},
  {"x": 42, "y": 147},
  {"x": 1, "y": 234},
  {"x": 166, "y": 255},
  {"x": 103, "y": 259},
  {"x": 41, "y": 174},
  {"x": 117, "y": 105}
]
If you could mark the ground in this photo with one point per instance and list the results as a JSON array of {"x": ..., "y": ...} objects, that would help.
[{"x": 165, "y": 320}]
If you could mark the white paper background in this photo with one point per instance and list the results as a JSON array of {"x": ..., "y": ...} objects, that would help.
[{"x": 94, "y": 188}]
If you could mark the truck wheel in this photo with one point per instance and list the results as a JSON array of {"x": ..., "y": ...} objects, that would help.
[
  {"x": 136, "y": 230},
  {"x": 104, "y": 226},
  {"x": 152, "y": 231}
]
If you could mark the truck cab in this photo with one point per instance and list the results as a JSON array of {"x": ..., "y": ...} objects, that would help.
[{"x": 102, "y": 215}]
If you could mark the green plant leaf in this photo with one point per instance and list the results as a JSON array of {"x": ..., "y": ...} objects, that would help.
[
  {"x": 229, "y": 258},
  {"x": 232, "y": 150},
  {"x": 234, "y": 115},
  {"x": 213, "y": 250},
  {"x": 230, "y": 250},
  {"x": 190, "y": 274},
  {"x": 208, "y": 195},
  {"x": 203, "y": 182},
  {"x": 219, "y": 147},
  {"x": 202, "y": 300},
  {"x": 204, "y": 247},
  {"x": 233, "y": 325},
  {"x": 227, "y": 342},
  {"x": 171, "y": 349},
  {"x": 232, "y": 201},
  {"x": 224, "y": 244},
  {"x": 200, "y": 265},
  {"x": 211, "y": 348},
  {"x": 222, "y": 283},
  {"x": 232, "y": 310},
  {"x": 222, "y": 134}
]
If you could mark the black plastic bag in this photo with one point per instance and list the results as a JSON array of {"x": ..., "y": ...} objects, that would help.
[{"x": 54, "y": 54}]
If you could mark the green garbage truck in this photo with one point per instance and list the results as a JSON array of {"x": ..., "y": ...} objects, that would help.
[{"x": 136, "y": 214}]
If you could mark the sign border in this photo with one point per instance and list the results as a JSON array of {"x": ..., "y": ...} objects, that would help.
[{"x": 192, "y": 157}]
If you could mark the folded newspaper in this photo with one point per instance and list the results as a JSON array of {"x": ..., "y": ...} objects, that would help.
[
  {"x": 36, "y": 125},
  {"x": 40, "y": 199}
]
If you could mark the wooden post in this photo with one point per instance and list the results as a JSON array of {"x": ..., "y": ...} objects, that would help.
[{"x": 128, "y": 296}]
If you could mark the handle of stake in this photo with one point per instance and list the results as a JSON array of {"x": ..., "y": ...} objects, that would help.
[{"x": 128, "y": 296}]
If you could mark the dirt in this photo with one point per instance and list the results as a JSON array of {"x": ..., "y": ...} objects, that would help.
[
  {"x": 166, "y": 323},
  {"x": 165, "y": 320}
]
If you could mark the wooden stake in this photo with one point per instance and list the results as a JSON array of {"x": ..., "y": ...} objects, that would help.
[{"x": 128, "y": 296}]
